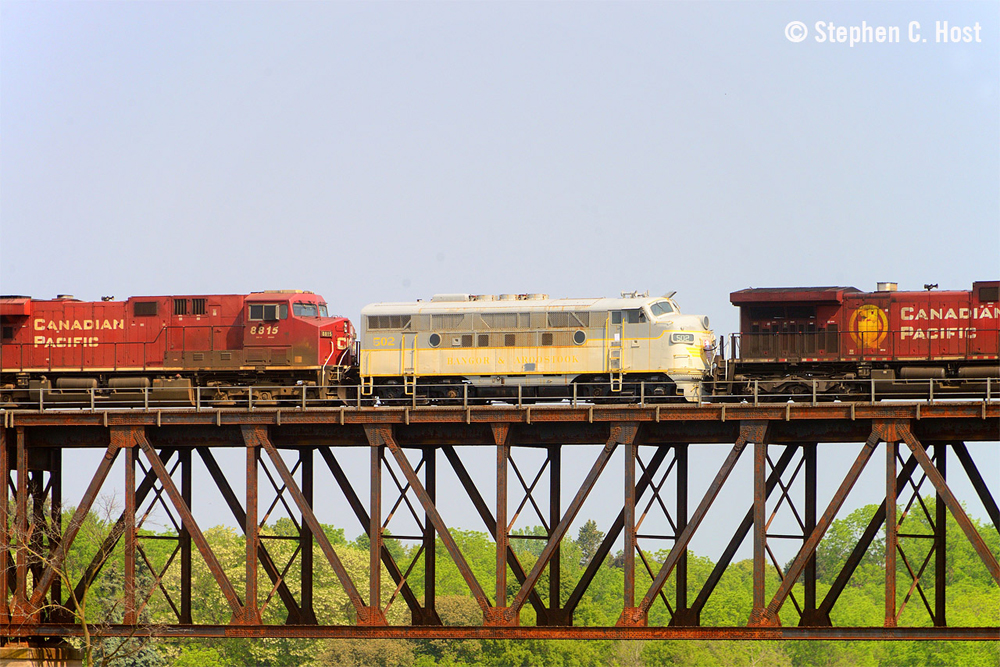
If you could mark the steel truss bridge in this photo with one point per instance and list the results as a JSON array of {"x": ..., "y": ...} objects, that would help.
[{"x": 924, "y": 448}]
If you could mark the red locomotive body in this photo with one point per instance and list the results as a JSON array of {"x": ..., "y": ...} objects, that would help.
[
  {"x": 793, "y": 338},
  {"x": 170, "y": 344}
]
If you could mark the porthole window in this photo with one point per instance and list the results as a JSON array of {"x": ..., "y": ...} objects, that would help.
[
  {"x": 579, "y": 337},
  {"x": 434, "y": 340}
]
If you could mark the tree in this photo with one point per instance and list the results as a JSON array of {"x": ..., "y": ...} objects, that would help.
[{"x": 589, "y": 539}]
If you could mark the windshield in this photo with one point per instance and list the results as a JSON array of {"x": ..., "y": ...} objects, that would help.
[
  {"x": 661, "y": 308},
  {"x": 305, "y": 310},
  {"x": 322, "y": 310}
]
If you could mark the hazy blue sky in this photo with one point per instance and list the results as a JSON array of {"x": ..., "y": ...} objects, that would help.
[{"x": 389, "y": 151}]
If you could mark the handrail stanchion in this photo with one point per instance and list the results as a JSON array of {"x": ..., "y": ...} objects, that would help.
[
  {"x": 303, "y": 397},
  {"x": 873, "y": 391},
  {"x": 642, "y": 394},
  {"x": 250, "y": 398},
  {"x": 755, "y": 392},
  {"x": 41, "y": 399},
  {"x": 91, "y": 399},
  {"x": 518, "y": 395},
  {"x": 145, "y": 398},
  {"x": 413, "y": 394},
  {"x": 197, "y": 399},
  {"x": 932, "y": 391},
  {"x": 988, "y": 378},
  {"x": 574, "y": 394},
  {"x": 814, "y": 392},
  {"x": 465, "y": 395}
]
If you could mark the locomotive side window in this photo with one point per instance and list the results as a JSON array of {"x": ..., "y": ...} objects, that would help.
[
  {"x": 635, "y": 316},
  {"x": 989, "y": 294},
  {"x": 616, "y": 317},
  {"x": 180, "y": 307},
  {"x": 8, "y": 333},
  {"x": 198, "y": 306},
  {"x": 484, "y": 340},
  {"x": 387, "y": 321},
  {"x": 144, "y": 308},
  {"x": 565, "y": 319},
  {"x": 546, "y": 339},
  {"x": 268, "y": 312}
]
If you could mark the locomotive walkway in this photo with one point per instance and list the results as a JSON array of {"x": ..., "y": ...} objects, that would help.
[{"x": 293, "y": 459}]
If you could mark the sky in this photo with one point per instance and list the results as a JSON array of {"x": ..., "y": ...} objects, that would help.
[{"x": 390, "y": 151}]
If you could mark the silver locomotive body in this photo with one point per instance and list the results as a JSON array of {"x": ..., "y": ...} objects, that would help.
[{"x": 531, "y": 345}]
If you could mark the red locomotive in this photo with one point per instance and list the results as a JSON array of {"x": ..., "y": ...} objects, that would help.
[
  {"x": 794, "y": 339},
  {"x": 163, "y": 347}
]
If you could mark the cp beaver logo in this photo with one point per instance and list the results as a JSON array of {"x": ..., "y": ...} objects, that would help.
[{"x": 869, "y": 327}]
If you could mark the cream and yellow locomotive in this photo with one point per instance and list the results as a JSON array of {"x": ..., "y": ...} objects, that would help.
[{"x": 532, "y": 347}]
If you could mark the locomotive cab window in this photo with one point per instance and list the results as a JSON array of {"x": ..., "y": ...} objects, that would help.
[
  {"x": 268, "y": 312},
  {"x": 635, "y": 316},
  {"x": 661, "y": 308},
  {"x": 305, "y": 310}
]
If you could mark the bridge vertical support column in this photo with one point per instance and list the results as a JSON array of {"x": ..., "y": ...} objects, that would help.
[
  {"x": 129, "y": 532},
  {"x": 251, "y": 613},
  {"x": 499, "y": 614},
  {"x": 430, "y": 539},
  {"x": 940, "y": 535},
  {"x": 375, "y": 527},
  {"x": 759, "y": 531},
  {"x": 891, "y": 533},
  {"x": 184, "y": 456},
  {"x": 809, "y": 523},
  {"x": 681, "y": 458},
  {"x": 4, "y": 527},
  {"x": 630, "y": 540},
  {"x": 20, "y": 612},
  {"x": 55, "y": 515},
  {"x": 555, "y": 515},
  {"x": 306, "y": 539}
]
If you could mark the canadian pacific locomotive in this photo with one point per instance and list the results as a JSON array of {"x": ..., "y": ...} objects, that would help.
[
  {"x": 531, "y": 346},
  {"x": 840, "y": 341},
  {"x": 162, "y": 347}
]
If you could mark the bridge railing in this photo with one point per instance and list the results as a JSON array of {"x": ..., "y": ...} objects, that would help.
[{"x": 641, "y": 393}]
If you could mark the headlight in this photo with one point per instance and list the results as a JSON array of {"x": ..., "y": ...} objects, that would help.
[{"x": 682, "y": 339}]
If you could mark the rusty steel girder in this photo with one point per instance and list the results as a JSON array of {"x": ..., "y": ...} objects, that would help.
[{"x": 281, "y": 447}]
